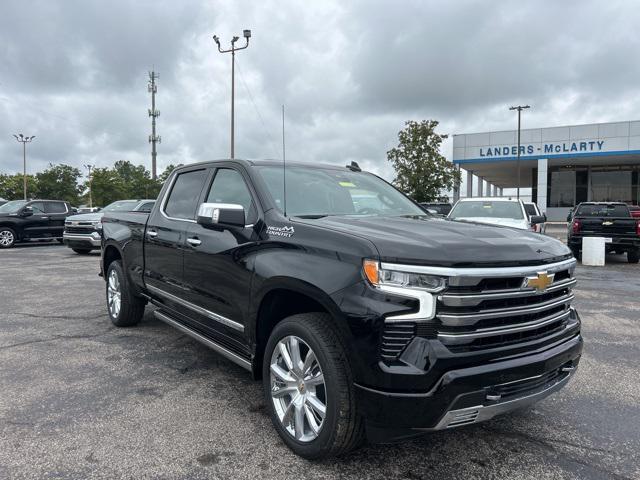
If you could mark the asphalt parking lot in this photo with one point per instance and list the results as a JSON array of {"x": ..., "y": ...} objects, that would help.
[{"x": 80, "y": 398}]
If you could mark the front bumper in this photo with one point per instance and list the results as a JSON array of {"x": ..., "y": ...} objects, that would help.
[
  {"x": 469, "y": 395},
  {"x": 77, "y": 240}
]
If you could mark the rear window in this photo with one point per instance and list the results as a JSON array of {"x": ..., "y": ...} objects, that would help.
[
  {"x": 487, "y": 209},
  {"x": 55, "y": 207},
  {"x": 603, "y": 211},
  {"x": 184, "y": 195}
]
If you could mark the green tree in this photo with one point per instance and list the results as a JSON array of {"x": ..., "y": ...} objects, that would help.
[
  {"x": 167, "y": 171},
  {"x": 422, "y": 172},
  {"x": 136, "y": 180},
  {"x": 59, "y": 182},
  {"x": 12, "y": 187},
  {"x": 106, "y": 187}
]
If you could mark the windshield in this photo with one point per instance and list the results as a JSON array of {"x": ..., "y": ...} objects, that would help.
[
  {"x": 601, "y": 211},
  {"x": 316, "y": 192},
  {"x": 487, "y": 209},
  {"x": 12, "y": 207},
  {"x": 121, "y": 206}
]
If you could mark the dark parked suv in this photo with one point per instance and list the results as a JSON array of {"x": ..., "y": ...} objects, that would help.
[
  {"x": 361, "y": 318},
  {"x": 22, "y": 220}
]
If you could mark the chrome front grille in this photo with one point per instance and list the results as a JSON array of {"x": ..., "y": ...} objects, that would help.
[
  {"x": 479, "y": 312},
  {"x": 78, "y": 229},
  {"x": 395, "y": 338}
]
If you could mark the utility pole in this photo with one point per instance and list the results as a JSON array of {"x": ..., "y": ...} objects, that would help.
[
  {"x": 153, "y": 113},
  {"x": 519, "y": 108},
  {"x": 89, "y": 167},
  {"x": 24, "y": 140},
  {"x": 247, "y": 35}
]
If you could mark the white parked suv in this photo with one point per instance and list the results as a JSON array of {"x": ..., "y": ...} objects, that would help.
[{"x": 506, "y": 212}]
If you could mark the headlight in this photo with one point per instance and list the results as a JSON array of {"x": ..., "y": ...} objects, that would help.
[
  {"x": 97, "y": 224},
  {"x": 393, "y": 278}
]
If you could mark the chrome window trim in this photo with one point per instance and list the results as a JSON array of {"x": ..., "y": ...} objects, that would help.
[
  {"x": 481, "y": 272},
  {"x": 202, "y": 311}
]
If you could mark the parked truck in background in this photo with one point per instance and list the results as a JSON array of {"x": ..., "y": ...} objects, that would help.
[
  {"x": 611, "y": 220},
  {"x": 361, "y": 319}
]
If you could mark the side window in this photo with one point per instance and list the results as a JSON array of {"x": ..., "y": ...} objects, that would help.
[
  {"x": 146, "y": 207},
  {"x": 37, "y": 207},
  {"x": 55, "y": 207},
  {"x": 229, "y": 187},
  {"x": 183, "y": 198}
]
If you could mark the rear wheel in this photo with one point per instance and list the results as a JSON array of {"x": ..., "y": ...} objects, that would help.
[
  {"x": 309, "y": 388},
  {"x": 125, "y": 309},
  {"x": 7, "y": 237},
  {"x": 633, "y": 256},
  {"x": 81, "y": 251}
]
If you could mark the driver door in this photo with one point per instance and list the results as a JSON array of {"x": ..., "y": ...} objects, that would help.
[{"x": 37, "y": 224}]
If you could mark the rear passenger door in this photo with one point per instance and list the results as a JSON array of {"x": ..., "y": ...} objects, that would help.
[
  {"x": 57, "y": 213},
  {"x": 166, "y": 233}
]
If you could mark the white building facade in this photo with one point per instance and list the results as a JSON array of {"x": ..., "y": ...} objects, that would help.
[{"x": 562, "y": 165}]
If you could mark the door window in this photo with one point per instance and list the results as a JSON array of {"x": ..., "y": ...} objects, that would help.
[
  {"x": 229, "y": 187},
  {"x": 37, "y": 207},
  {"x": 183, "y": 199},
  {"x": 146, "y": 207},
  {"x": 55, "y": 207}
]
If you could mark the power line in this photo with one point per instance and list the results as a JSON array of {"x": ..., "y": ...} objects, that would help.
[{"x": 264, "y": 126}]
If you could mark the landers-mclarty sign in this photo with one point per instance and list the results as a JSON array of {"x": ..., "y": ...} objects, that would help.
[{"x": 545, "y": 148}]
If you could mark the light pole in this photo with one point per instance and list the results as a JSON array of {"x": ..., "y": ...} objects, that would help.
[
  {"x": 24, "y": 140},
  {"x": 519, "y": 108},
  {"x": 247, "y": 35},
  {"x": 89, "y": 167}
]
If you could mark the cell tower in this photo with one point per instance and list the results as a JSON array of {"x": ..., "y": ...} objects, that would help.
[{"x": 153, "y": 113}]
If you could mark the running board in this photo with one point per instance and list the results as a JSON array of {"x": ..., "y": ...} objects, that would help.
[{"x": 238, "y": 360}]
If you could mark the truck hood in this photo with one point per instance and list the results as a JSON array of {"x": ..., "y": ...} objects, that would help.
[
  {"x": 85, "y": 217},
  {"x": 504, "y": 222},
  {"x": 443, "y": 242}
]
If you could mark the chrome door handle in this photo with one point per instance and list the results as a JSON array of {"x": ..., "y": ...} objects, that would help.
[
  {"x": 194, "y": 241},
  {"x": 152, "y": 233}
]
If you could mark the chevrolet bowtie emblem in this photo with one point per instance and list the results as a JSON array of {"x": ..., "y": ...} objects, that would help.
[
  {"x": 607, "y": 223},
  {"x": 540, "y": 282}
]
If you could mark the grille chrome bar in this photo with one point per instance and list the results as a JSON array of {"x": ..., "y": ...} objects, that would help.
[
  {"x": 464, "y": 319},
  {"x": 471, "y": 300},
  {"x": 462, "y": 338}
]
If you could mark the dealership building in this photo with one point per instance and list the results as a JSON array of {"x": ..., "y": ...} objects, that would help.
[{"x": 562, "y": 166}]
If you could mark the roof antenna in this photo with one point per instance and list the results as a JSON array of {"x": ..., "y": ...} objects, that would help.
[{"x": 284, "y": 168}]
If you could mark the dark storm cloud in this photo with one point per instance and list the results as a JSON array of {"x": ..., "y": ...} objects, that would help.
[{"x": 350, "y": 73}]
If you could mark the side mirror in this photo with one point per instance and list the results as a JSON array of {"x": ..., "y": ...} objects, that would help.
[
  {"x": 537, "y": 219},
  {"x": 27, "y": 211},
  {"x": 221, "y": 214}
]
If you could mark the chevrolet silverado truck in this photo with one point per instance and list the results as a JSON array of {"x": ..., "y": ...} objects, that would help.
[
  {"x": 22, "y": 220},
  {"x": 83, "y": 232},
  {"x": 375, "y": 321},
  {"x": 611, "y": 220}
]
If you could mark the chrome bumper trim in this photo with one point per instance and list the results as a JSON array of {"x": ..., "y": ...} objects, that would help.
[{"x": 82, "y": 238}]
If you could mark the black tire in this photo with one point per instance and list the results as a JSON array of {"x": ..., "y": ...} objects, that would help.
[
  {"x": 576, "y": 252},
  {"x": 81, "y": 251},
  {"x": 131, "y": 307},
  {"x": 342, "y": 428},
  {"x": 8, "y": 237},
  {"x": 633, "y": 256},
  {"x": 60, "y": 240}
]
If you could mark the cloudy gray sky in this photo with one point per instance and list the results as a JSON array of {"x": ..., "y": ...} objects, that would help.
[{"x": 74, "y": 74}]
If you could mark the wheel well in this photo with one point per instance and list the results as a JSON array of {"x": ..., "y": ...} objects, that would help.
[
  {"x": 277, "y": 305},
  {"x": 111, "y": 254}
]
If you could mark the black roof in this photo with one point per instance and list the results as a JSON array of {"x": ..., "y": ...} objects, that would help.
[{"x": 267, "y": 162}]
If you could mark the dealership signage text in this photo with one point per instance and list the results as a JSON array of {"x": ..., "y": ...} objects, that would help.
[{"x": 564, "y": 147}]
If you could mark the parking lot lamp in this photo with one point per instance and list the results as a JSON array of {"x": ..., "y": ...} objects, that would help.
[
  {"x": 519, "y": 108},
  {"x": 89, "y": 167},
  {"x": 247, "y": 35},
  {"x": 24, "y": 140}
]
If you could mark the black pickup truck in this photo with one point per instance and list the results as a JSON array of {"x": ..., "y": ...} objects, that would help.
[
  {"x": 361, "y": 313},
  {"x": 22, "y": 220},
  {"x": 611, "y": 220}
]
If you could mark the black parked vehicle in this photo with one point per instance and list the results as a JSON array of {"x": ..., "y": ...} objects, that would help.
[
  {"x": 22, "y": 220},
  {"x": 611, "y": 220},
  {"x": 376, "y": 319}
]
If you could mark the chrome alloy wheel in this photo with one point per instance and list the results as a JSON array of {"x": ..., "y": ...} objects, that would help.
[
  {"x": 113, "y": 294},
  {"x": 6, "y": 238},
  {"x": 297, "y": 388}
]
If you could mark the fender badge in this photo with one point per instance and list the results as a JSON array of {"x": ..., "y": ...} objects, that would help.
[{"x": 286, "y": 232}]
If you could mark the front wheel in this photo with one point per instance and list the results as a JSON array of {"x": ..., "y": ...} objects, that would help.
[
  {"x": 309, "y": 389},
  {"x": 7, "y": 237},
  {"x": 125, "y": 309},
  {"x": 633, "y": 256}
]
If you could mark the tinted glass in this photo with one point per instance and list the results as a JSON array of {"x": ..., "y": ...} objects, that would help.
[
  {"x": 184, "y": 195},
  {"x": 146, "y": 207},
  {"x": 487, "y": 209},
  {"x": 229, "y": 187},
  {"x": 55, "y": 207},
  {"x": 319, "y": 192},
  {"x": 603, "y": 211},
  {"x": 37, "y": 207},
  {"x": 530, "y": 209}
]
